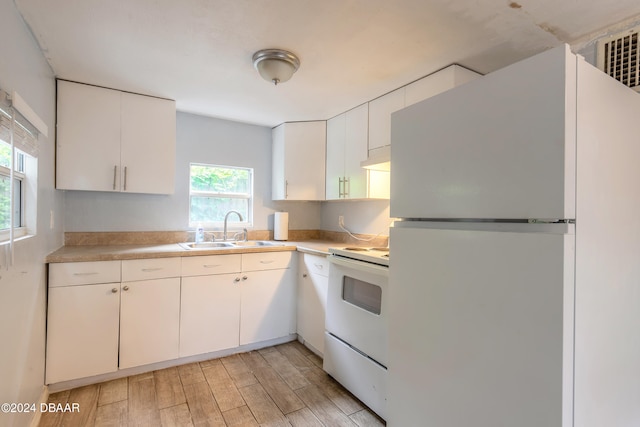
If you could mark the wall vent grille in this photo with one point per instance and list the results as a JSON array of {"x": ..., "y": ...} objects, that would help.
[{"x": 619, "y": 57}]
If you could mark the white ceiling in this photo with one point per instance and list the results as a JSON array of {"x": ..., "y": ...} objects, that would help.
[{"x": 198, "y": 52}]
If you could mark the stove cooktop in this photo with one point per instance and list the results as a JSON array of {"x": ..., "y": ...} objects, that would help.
[{"x": 373, "y": 255}]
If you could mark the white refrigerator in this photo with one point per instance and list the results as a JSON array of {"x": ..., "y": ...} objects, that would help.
[{"x": 514, "y": 294}]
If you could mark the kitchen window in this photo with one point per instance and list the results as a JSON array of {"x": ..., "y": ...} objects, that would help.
[
  {"x": 18, "y": 174},
  {"x": 7, "y": 214},
  {"x": 215, "y": 190}
]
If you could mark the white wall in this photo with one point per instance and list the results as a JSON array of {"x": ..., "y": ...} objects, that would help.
[
  {"x": 367, "y": 217},
  {"x": 23, "y": 286},
  {"x": 199, "y": 139}
]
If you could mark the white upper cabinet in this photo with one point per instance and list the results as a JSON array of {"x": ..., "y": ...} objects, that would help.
[
  {"x": 299, "y": 161},
  {"x": 380, "y": 109},
  {"x": 109, "y": 140},
  {"x": 88, "y": 138},
  {"x": 148, "y": 144},
  {"x": 335, "y": 156},
  {"x": 355, "y": 151},
  {"x": 436, "y": 83},
  {"x": 347, "y": 136}
]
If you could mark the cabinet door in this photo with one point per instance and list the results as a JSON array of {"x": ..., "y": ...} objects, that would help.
[
  {"x": 380, "y": 110},
  {"x": 148, "y": 144},
  {"x": 149, "y": 321},
  {"x": 82, "y": 331},
  {"x": 336, "y": 134},
  {"x": 268, "y": 305},
  {"x": 313, "y": 301},
  {"x": 278, "y": 180},
  {"x": 438, "y": 82},
  {"x": 304, "y": 160},
  {"x": 87, "y": 138},
  {"x": 357, "y": 125},
  {"x": 209, "y": 313}
]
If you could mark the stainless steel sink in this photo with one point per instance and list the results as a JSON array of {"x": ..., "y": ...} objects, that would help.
[
  {"x": 206, "y": 245},
  {"x": 222, "y": 245},
  {"x": 250, "y": 243}
]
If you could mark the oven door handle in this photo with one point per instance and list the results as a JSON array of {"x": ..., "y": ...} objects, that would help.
[{"x": 365, "y": 267}]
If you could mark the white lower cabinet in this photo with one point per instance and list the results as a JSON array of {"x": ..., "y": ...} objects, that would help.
[
  {"x": 210, "y": 304},
  {"x": 82, "y": 331},
  {"x": 210, "y": 315},
  {"x": 268, "y": 309},
  {"x": 96, "y": 328},
  {"x": 312, "y": 300},
  {"x": 268, "y": 305},
  {"x": 237, "y": 299},
  {"x": 149, "y": 311},
  {"x": 149, "y": 321},
  {"x": 110, "y": 315}
]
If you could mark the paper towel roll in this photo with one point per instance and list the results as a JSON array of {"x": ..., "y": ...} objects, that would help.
[{"x": 281, "y": 226}]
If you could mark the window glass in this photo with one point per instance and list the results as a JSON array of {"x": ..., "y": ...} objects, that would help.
[
  {"x": 216, "y": 190},
  {"x": 5, "y": 188},
  {"x": 5, "y": 202},
  {"x": 5, "y": 154}
]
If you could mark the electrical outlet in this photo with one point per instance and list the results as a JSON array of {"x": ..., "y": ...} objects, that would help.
[{"x": 341, "y": 220}]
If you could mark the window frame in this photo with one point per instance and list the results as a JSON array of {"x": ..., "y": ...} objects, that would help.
[
  {"x": 19, "y": 176},
  {"x": 233, "y": 219}
]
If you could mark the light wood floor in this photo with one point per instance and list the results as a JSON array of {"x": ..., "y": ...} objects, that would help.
[{"x": 277, "y": 386}]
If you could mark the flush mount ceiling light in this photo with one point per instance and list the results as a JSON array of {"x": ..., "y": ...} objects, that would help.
[{"x": 275, "y": 65}]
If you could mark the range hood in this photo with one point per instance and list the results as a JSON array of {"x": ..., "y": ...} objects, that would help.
[{"x": 379, "y": 159}]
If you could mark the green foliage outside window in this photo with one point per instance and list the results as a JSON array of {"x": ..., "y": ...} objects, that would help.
[
  {"x": 215, "y": 190},
  {"x": 5, "y": 187}
]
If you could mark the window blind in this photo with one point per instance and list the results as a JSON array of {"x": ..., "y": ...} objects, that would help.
[
  {"x": 21, "y": 135},
  {"x": 25, "y": 135}
]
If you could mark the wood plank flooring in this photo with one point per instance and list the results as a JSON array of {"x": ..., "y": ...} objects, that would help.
[{"x": 276, "y": 386}]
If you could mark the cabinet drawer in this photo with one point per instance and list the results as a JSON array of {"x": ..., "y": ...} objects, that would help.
[
  {"x": 211, "y": 264},
  {"x": 83, "y": 273},
  {"x": 265, "y": 261},
  {"x": 316, "y": 264},
  {"x": 157, "y": 268}
]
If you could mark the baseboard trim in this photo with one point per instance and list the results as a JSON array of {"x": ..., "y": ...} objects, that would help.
[{"x": 66, "y": 385}]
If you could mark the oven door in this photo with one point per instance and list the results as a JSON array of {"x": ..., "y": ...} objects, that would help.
[{"x": 357, "y": 306}]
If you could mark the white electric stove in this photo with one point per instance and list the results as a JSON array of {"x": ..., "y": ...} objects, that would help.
[
  {"x": 373, "y": 255},
  {"x": 356, "y": 323}
]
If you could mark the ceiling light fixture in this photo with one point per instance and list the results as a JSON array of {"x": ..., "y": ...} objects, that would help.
[{"x": 275, "y": 65}]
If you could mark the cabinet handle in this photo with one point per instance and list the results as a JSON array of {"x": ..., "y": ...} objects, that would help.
[
  {"x": 244, "y": 277},
  {"x": 286, "y": 189},
  {"x": 91, "y": 273},
  {"x": 114, "y": 290},
  {"x": 115, "y": 174},
  {"x": 125, "y": 179},
  {"x": 148, "y": 270},
  {"x": 347, "y": 187},
  {"x": 237, "y": 279},
  {"x": 340, "y": 192},
  {"x": 267, "y": 261},
  {"x": 126, "y": 288},
  {"x": 319, "y": 266},
  {"x": 211, "y": 265}
]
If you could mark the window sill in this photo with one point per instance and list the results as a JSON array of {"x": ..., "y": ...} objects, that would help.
[{"x": 17, "y": 239}]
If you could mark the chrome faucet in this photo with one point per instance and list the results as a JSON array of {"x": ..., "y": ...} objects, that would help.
[{"x": 226, "y": 217}]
